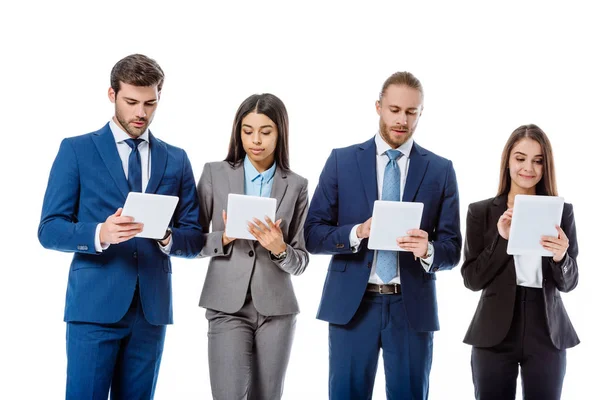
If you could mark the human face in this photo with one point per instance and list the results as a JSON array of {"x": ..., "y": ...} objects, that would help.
[
  {"x": 526, "y": 165},
  {"x": 134, "y": 107},
  {"x": 259, "y": 138},
  {"x": 399, "y": 110}
]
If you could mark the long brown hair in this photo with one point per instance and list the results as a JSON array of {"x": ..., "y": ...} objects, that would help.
[
  {"x": 271, "y": 106},
  {"x": 546, "y": 185}
]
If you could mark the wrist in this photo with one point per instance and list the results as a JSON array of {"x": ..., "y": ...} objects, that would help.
[{"x": 167, "y": 238}]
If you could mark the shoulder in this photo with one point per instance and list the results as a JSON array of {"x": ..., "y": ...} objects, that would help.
[
  {"x": 433, "y": 158},
  {"x": 480, "y": 206},
  {"x": 295, "y": 179}
]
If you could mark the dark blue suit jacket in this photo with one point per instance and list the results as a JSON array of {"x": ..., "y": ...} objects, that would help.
[
  {"x": 86, "y": 185},
  {"x": 345, "y": 196}
]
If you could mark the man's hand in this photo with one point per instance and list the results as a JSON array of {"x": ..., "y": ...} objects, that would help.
[
  {"x": 416, "y": 241},
  {"x": 364, "y": 229},
  {"x": 118, "y": 229}
]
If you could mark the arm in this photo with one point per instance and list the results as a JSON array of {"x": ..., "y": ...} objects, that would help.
[
  {"x": 297, "y": 257},
  {"x": 482, "y": 263},
  {"x": 59, "y": 227},
  {"x": 322, "y": 233},
  {"x": 447, "y": 238},
  {"x": 187, "y": 233},
  {"x": 565, "y": 272},
  {"x": 213, "y": 240}
]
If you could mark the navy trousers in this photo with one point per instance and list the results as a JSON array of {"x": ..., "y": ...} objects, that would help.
[
  {"x": 379, "y": 323},
  {"x": 123, "y": 357}
]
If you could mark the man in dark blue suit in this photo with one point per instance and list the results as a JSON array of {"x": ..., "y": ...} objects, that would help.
[
  {"x": 119, "y": 290},
  {"x": 384, "y": 299}
]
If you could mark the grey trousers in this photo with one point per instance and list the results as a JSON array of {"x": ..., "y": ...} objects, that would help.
[{"x": 248, "y": 353}]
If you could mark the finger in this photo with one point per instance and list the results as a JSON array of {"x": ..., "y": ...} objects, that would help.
[
  {"x": 253, "y": 231},
  {"x": 118, "y": 212},
  {"x": 417, "y": 233},
  {"x": 224, "y": 214},
  {"x": 278, "y": 223},
  {"x": 129, "y": 227},
  {"x": 260, "y": 224},
  {"x": 123, "y": 220},
  {"x": 270, "y": 223},
  {"x": 561, "y": 233}
]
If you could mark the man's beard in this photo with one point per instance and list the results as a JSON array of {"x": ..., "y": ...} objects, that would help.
[{"x": 392, "y": 140}]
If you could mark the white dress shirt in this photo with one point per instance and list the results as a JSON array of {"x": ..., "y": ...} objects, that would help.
[
  {"x": 124, "y": 150},
  {"x": 529, "y": 270},
  {"x": 381, "y": 161}
]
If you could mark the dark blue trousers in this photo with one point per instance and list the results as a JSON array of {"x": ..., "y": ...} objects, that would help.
[
  {"x": 379, "y": 323},
  {"x": 123, "y": 357}
]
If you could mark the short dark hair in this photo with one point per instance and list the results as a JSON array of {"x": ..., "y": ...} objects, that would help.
[
  {"x": 271, "y": 106},
  {"x": 546, "y": 185},
  {"x": 136, "y": 70},
  {"x": 402, "y": 78}
]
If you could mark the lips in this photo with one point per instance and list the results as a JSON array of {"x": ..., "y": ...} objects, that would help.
[
  {"x": 138, "y": 124},
  {"x": 257, "y": 151}
]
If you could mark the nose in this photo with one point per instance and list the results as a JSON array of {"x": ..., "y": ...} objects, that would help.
[
  {"x": 140, "y": 111},
  {"x": 256, "y": 138},
  {"x": 402, "y": 119}
]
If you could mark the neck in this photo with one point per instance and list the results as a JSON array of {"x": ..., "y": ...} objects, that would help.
[
  {"x": 262, "y": 166},
  {"x": 515, "y": 190}
]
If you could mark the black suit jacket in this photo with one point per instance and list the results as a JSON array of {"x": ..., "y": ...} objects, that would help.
[{"x": 487, "y": 266}]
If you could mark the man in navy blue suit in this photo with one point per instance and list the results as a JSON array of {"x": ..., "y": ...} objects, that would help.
[
  {"x": 384, "y": 299},
  {"x": 119, "y": 290}
]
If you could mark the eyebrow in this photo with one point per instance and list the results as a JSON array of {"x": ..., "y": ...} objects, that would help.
[
  {"x": 264, "y": 126},
  {"x": 523, "y": 154},
  {"x": 137, "y": 101}
]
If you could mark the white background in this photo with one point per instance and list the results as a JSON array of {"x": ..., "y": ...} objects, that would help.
[{"x": 485, "y": 69}]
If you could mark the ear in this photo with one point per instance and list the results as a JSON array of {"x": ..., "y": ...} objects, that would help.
[
  {"x": 158, "y": 96},
  {"x": 112, "y": 96},
  {"x": 378, "y": 107}
]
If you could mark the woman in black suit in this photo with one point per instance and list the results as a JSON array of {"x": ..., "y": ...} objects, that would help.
[{"x": 520, "y": 319}]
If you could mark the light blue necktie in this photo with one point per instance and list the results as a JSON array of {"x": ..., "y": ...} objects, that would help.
[
  {"x": 387, "y": 261},
  {"x": 134, "y": 175}
]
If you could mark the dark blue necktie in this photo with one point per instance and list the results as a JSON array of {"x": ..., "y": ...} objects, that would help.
[
  {"x": 134, "y": 175},
  {"x": 387, "y": 261}
]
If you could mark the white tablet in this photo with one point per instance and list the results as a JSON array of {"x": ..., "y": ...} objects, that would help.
[
  {"x": 153, "y": 210},
  {"x": 242, "y": 209},
  {"x": 391, "y": 220},
  {"x": 533, "y": 217}
]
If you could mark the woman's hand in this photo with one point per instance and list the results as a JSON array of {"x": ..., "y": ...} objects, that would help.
[
  {"x": 269, "y": 236},
  {"x": 504, "y": 223},
  {"x": 557, "y": 245},
  {"x": 225, "y": 239}
]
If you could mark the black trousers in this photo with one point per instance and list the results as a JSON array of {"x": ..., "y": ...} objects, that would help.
[{"x": 527, "y": 344}]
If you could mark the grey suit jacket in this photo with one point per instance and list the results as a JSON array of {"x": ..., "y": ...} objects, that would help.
[{"x": 245, "y": 263}]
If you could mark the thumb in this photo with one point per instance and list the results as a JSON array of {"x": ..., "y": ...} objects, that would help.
[
  {"x": 224, "y": 217},
  {"x": 278, "y": 222},
  {"x": 118, "y": 212}
]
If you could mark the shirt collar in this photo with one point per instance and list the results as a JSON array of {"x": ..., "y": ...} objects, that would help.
[
  {"x": 252, "y": 173},
  {"x": 120, "y": 135},
  {"x": 382, "y": 146}
]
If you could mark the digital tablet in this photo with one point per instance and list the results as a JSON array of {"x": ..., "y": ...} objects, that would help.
[
  {"x": 533, "y": 217},
  {"x": 153, "y": 210},
  {"x": 242, "y": 209},
  {"x": 391, "y": 220}
]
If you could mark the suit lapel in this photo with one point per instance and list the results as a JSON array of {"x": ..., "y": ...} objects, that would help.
[
  {"x": 279, "y": 186},
  {"x": 367, "y": 164},
  {"x": 235, "y": 177},
  {"x": 106, "y": 146},
  {"x": 158, "y": 161},
  {"x": 416, "y": 171}
]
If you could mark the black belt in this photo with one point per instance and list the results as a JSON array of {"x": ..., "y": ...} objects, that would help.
[{"x": 390, "y": 288}]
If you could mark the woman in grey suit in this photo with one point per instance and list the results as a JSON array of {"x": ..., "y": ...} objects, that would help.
[{"x": 248, "y": 295}]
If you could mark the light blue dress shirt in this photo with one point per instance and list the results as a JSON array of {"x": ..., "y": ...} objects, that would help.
[{"x": 256, "y": 183}]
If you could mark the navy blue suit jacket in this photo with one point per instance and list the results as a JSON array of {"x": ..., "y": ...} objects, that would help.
[
  {"x": 86, "y": 185},
  {"x": 345, "y": 196}
]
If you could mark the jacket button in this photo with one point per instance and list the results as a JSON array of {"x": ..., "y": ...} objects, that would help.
[
  {"x": 435, "y": 269},
  {"x": 215, "y": 250},
  {"x": 135, "y": 254},
  {"x": 369, "y": 264},
  {"x": 251, "y": 253}
]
